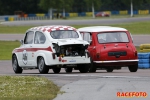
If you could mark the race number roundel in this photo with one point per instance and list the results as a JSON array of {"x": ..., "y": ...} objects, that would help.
[{"x": 24, "y": 57}]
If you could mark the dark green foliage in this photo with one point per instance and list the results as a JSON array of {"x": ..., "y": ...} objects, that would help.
[{"x": 8, "y": 7}]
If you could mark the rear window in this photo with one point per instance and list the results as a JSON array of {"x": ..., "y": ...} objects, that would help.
[
  {"x": 111, "y": 37},
  {"x": 63, "y": 34}
]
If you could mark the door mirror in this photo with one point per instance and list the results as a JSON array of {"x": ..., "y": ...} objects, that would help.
[{"x": 21, "y": 41}]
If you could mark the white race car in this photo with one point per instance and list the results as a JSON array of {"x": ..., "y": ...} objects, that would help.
[{"x": 51, "y": 47}]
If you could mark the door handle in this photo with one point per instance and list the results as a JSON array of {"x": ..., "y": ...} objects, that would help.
[{"x": 30, "y": 45}]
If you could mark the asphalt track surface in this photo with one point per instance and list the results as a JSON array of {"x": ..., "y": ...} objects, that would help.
[{"x": 90, "y": 86}]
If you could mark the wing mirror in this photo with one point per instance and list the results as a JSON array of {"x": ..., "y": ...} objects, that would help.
[{"x": 22, "y": 42}]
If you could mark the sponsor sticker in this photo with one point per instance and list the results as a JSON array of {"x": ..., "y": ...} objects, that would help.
[{"x": 72, "y": 61}]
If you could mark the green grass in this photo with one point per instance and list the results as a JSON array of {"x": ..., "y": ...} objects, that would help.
[
  {"x": 138, "y": 48},
  {"x": 13, "y": 29},
  {"x": 27, "y": 88},
  {"x": 6, "y": 48},
  {"x": 134, "y": 28}
]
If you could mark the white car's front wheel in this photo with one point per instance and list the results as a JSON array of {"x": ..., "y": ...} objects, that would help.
[
  {"x": 17, "y": 69},
  {"x": 43, "y": 69}
]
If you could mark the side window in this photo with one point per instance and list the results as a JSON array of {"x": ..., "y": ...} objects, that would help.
[
  {"x": 39, "y": 38},
  {"x": 87, "y": 37},
  {"x": 81, "y": 35},
  {"x": 124, "y": 37},
  {"x": 29, "y": 37}
]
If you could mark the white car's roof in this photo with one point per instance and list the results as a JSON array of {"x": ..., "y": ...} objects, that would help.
[
  {"x": 50, "y": 28},
  {"x": 100, "y": 29}
]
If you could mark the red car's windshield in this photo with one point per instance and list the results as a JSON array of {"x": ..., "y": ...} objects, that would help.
[{"x": 111, "y": 37}]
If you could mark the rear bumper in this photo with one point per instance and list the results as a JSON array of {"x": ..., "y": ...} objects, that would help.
[
  {"x": 115, "y": 61},
  {"x": 69, "y": 60},
  {"x": 119, "y": 63}
]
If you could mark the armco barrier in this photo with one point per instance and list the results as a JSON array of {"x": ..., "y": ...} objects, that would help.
[
  {"x": 6, "y": 19},
  {"x": 143, "y": 12},
  {"x": 125, "y": 12},
  {"x": 144, "y": 60}
]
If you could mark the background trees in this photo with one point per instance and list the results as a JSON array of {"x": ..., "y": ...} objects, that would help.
[{"x": 42, "y": 6}]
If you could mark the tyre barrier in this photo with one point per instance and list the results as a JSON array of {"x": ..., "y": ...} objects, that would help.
[
  {"x": 144, "y": 60},
  {"x": 145, "y": 48}
]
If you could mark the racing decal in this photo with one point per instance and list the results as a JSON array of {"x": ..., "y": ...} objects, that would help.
[
  {"x": 33, "y": 49},
  {"x": 53, "y": 28},
  {"x": 24, "y": 57}
]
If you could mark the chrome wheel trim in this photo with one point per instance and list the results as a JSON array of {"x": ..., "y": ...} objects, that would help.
[
  {"x": 41, "y": 64},
  {"x": 15, "y": 63}
]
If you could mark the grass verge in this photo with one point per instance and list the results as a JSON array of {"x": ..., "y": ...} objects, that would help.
[
  {"x": 27, "y": 88},
  {"x": 134, "y": 28},
  {"x": 6, "y": 48}
]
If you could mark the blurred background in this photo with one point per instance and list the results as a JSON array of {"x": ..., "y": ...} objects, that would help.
[{"x": 11, "y": 10}]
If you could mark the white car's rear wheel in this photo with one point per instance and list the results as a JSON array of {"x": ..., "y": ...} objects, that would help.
[
  {"x": 17, "y": 69},
  {"x": 109, "y": 69},
  {"x": 83, "y": 68},
  {"x": 56, "y": 69},
  {"x": 68, "y": 70},
  {"x": 43, "y": 69}
]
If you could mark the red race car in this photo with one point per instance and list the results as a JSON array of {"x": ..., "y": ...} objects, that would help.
[
  {"x": 110, "y": 48},
  {"x": 102, "y": 14}
]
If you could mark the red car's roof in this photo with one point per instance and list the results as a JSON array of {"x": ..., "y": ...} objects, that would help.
[{"x": 100, "y": 29}]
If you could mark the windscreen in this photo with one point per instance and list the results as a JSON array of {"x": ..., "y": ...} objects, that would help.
[
  {"x": 111, "y": 37},
  {"x": 64, "y": 34}
]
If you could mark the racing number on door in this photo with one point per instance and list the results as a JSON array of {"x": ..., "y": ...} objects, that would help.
[{"x": 24, "y": 57}]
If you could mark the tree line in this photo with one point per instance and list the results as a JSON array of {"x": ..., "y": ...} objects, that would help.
[{"x": 8, "y": 7}]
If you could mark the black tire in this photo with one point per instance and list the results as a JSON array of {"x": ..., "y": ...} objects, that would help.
[
  {"x": 17, "y": 69},
  {"x": 56, "y": 69},
  {"x": 109, "y": 69},
  {"x": 43, "y": 69},
  {"x": 133, "y": 68},
  {"x": 92, "y": 68},
  {"x": 83, "y": 68},
  {"x": 68, "y": 70}
]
